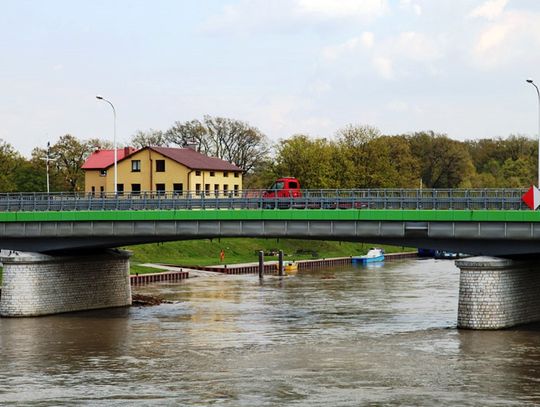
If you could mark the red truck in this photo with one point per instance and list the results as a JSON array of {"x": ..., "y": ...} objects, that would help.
[
  {"x": 281, "y": 193},
  {"x": 284, "y": 188},
  {"x": 286, "y": 193}
]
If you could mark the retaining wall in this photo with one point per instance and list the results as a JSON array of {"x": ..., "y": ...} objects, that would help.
[
  {"x": 37, "y": 284},
  {"x": 272, "y": 267},
  {"x": 497, "y": 293}
]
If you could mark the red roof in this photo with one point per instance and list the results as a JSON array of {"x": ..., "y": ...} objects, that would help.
[
  {"x": 195, "y": 160},
  {"x": 102, "y": 159}
]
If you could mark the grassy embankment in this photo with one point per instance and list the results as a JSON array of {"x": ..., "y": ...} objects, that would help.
[
  {"x": 206, "y": 252},
  {"x": 241, "y": 250}
]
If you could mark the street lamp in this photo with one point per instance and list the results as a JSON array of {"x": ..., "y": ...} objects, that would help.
[
  {"x": 538, "y": 93},
  {"x": 48, "y": 159},
  {"x": 114, "y": 143}
]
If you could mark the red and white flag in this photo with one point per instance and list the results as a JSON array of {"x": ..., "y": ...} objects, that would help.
[{"x": 532, "y": 198}]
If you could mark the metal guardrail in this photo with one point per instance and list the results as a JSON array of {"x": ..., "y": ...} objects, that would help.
[{"x": 446, "y": 199}]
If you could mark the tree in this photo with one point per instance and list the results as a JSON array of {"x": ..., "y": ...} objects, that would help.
[
  {"x": 309, "y": 160},
  {"x": 445, "y": 163},
  {"x": 10, "y": 163},
  {"x": 371, "y": 160},
  {"x": 147, "y": 138},
  {"x": 262, "y": 176},
  {"x": 70, "y": 154},
  {"x": 354, "y": 141},
  {"x": 517, "y": 173},
  {"x": 99, "y": 144},
  {"x": 504, "y": 162},
  {"x": 231, "y": 140}
]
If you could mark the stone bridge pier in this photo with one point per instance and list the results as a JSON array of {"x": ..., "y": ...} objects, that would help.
[
  {"x": 496, "y": 293},
  {"x": 38, "y": 284}
]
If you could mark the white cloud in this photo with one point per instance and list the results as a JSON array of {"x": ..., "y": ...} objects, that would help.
[
  {"x": 384, "y": 67},
  {"x": 390, "y": 56},
  {"x": 513, "y": 36},
  {"x": 334, "y": 52},
  {"x": 332, "y": 9},
  {"x": 319, "y": 87},
  {"x": 367, "y": 39},
  {"x": 490, "y": 9},
  {"x": 410, "y": 5},
  {"x": 416, "y": 46},
  {"x": 492, "y": 37},
  {"x": 252, "y": 15}
]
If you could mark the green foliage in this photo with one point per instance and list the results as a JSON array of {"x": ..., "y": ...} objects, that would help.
[
  {"x": 510, "y": 162},
  {"x": 310, "y": 160},
  {"x": 357, "y": 157},
  {"x": 444, "y": 163},
  {"x": 69, "y": 154},
  {"x": 10, "y": 163}
]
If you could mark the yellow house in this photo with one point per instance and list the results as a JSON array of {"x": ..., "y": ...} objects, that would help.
[{"x": 161, "y": 169}]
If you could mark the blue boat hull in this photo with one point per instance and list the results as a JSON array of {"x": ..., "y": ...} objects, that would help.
[{"x": 365, "y": 260}]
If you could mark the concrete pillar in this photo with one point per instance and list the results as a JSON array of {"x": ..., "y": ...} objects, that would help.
[
  {"x": 497, "y": 293},
  {"x": 38, "y": 284}
]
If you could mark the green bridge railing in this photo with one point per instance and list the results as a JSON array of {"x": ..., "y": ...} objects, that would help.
[{"x": 410, "y": 199}]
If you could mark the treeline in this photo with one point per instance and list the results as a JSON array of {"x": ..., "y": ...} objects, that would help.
[
  {"x": 362, "y": 157},
  {"x": 354, "y": 157}
]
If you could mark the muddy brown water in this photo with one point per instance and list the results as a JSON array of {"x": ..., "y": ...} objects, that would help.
[{"x": 345, "y": 336}]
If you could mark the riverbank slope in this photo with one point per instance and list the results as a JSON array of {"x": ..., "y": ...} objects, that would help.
[{"x": 242, "y": 250}]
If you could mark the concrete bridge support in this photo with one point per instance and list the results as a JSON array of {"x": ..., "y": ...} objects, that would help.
[
  {"x": 37, "y": 284},
  {"x": 497, "y": 293}
]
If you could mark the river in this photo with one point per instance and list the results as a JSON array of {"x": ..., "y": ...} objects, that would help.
[{"x": 347, "y": 336}]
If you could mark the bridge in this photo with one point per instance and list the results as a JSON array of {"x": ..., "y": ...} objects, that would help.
[
  {"x": 73, "y": 229},
  {"x": 487, "y": 222}
]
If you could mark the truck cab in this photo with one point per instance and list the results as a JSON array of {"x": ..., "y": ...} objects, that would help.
[{"x": 284, "y": 188}]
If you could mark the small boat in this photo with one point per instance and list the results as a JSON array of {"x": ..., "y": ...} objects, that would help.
[
  {"x": 290, "y": 267},
  {"x": 373, "y": 255},
  {"x": 443, "y": 254},
  {"x": 426, "y": 252}
]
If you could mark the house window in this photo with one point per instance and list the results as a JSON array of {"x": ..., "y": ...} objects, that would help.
[
  {"x": 212, "y": 173},
  {"x": 216, "y": 189},
  {"x": 207, "y": 189},
  {"x": 178, "y": 189},
  {"x": 198, "y": 172},
  {"x": 160, "y": 189},
  {"x": 101, "y": 191},
  {"x": 93, "y": 191},
  {"x": 225, "y": 173},
  {"x": 102, "y": 173},
  {"x": 160, "y": 165},
  {"x": 120, "y": 189},
  {"x": 236, "y": 174},
  {"x": 236, "y": 189},
  {"x": 225, "y": 189},
  {"x": 136, "y": 166},
  {"x": 197, "y": 189},
  {"x": 135, "y": 189}
]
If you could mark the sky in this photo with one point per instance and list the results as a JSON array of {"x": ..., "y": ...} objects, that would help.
[{"x": 284, "y": 66}]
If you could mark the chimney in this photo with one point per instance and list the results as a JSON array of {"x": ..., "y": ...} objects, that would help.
[
  {"x": 192, "y": 144},
  {"x": 127, "y": 151}
]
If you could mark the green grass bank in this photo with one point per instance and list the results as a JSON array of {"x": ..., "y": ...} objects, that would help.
[{"x": 242, "y": 250}]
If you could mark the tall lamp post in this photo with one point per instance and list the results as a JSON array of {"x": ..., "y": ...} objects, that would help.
[
  {"x": 48, "y": 159},
  {"x": 114, "y": 143},
  {"x": 538, "y": 93}
]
